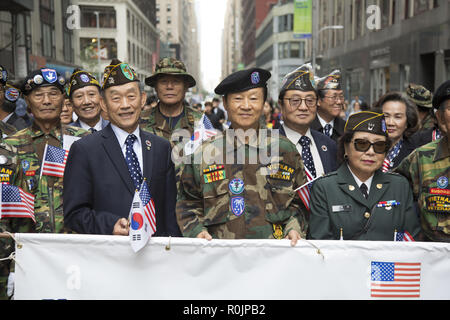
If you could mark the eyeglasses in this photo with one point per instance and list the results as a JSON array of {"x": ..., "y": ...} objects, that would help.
[
  {"x": 53, "y": 95},
  {"x": 335, "y": 98},
  {"x": 296, "y": 102},
  {"x": 363, "y": 145}
]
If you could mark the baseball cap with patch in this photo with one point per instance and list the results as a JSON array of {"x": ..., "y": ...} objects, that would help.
[
  {"x": 118, "y": 73},
  {"x": 170, "y": 66},
  {"x": 243, "y": 80}
]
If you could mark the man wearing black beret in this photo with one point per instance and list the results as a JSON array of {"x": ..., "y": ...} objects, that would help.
[
  {"x": 428, "y": 171},
  {"x": 104, "y": 169},
  {"x": 9, "y": 95},
  {"x": 244, "y": 192}
]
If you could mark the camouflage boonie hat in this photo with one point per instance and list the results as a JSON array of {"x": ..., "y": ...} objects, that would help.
[
  {"x": 170, "y": 66},
  {"x": 421, "y": 96}
]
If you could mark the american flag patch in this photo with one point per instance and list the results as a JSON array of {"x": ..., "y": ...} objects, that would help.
[{"x": 395, "y": 280}]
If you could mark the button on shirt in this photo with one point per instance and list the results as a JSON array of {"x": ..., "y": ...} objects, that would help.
[
  {"x": 294, "y": 137},
  {"x": 122, "y": 136}
]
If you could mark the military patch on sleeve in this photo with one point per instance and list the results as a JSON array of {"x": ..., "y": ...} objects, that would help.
[
  {"x": 282, "y": 172},
  {"x": 277, "y": 231},
  {"x": 438, "y": 203},
  {"x": 214, "y": 173}
]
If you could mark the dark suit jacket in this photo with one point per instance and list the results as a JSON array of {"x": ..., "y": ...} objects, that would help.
[
  {"x": 407, "y": 147},
  {"x": 327, "y": 150},
  {"x": 338, "y": 129},
  {"x": 98, "y": 189}
]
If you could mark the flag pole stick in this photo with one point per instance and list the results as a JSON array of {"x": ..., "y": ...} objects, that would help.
[
  {"x": 43, "y": 158},
  {"x": 309, "y": 182}
]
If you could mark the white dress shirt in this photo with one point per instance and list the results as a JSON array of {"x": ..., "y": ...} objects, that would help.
[
  {"x": 122, "y": 136},
  {"x": 368, "y": 182},
  {"x": 98, "y": 125},
  {"x": 294, "y": 137},
  {"x": 323, "y": 123}
]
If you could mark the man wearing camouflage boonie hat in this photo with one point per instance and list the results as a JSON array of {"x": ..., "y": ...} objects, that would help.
[
  {"x": 171, "y": 119},
  {"x": 422, "y": 97},
  {"x": 428, "y": 171}
]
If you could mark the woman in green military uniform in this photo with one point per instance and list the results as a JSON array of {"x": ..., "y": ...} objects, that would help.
[{"x": 359, "y": 201}]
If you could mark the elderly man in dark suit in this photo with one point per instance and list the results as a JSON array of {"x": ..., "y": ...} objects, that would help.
[
  {"x": 330, "y": 105},
  {"x": 298, "y": 101},
  {"x": 104, "y": 170}
]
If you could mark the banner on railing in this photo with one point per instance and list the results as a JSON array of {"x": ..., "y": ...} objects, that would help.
[{"x": 51, "y": 266}]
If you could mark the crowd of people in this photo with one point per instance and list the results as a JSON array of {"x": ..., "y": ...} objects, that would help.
[{"x": 348, "y": 173}]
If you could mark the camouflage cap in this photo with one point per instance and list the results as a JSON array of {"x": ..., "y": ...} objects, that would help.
[
  {"x": 421, "y": 96},
  {"x": 442, "y": 94},
  {"x": 331, "y": 81},
  {"x": 81, "y": 79},
  {"x": 170, "y": 66},
  {"x": 118, "y": 73},
  {"x": 301, "y": 79},
  {"x": 367, "y": 121},
  {"x": 42, "y": 78},
  {"x": 3, "y": 75}
]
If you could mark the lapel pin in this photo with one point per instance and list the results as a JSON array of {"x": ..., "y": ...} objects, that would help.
[
  {"x": 351, "y": 188},
  {"x": 379, "y": 186},
  {"x": 324, "y": 148},
  {"x": 149, "y": 144}
]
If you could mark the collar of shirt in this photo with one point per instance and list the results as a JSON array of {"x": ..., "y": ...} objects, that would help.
[
  {"x": 98, "y": 125},
  {"x": 122, "y": 136},
  {"x": 7, "y": 117},
  {"x": 368, "y": 182},
  {"x": 323, "y": 123},
  {"x": 295, "y": 136}
]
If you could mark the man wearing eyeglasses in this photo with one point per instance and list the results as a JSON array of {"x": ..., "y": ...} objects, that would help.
[
  {"x": 298, "y": 101},
  {"x": 330, "y": 105}
]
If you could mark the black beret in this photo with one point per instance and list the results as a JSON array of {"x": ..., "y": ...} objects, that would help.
[
  {"x": 243, "y": 80},
  {"x": 367, "y": 121},
  {"x": 118, "y": 73},
  {"x": 42, "y": 78},
  {"x": 331, "y": 81},
  {"x": 442, "y": 93},
  {"x": 300, "y": 79},
  {"x": 3, "y": 75},
  {"x": 81, "y": 79}
]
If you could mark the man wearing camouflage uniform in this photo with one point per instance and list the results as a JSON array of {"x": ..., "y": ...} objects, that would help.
[
  {"x": 43, "y": 90},
  {"x": 239, "y": 194},
  {"x": 171, "y": 82},
  {"x": 428, "y": 170}
]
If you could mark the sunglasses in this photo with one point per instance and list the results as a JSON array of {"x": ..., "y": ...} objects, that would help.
[{"x": 363, "y": 145}]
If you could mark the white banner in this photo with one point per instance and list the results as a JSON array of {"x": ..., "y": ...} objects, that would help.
[{"x": 51, "y": 266}]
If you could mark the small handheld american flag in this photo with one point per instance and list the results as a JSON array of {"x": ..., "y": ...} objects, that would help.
[
  {"x": 16, "y": 203},
  {"x": 148, "y": 205},
  {"x": 54, "y": 161},
  {"x": 203, "y": 130},
  {"x": 403, "y": 236},
  {"x": 304, "y": 192}
]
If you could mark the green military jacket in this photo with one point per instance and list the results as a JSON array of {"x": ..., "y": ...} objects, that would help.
[
  {"x": 154, "y": 122},
  {"x": 428, "y": 170},
  {"x": 337, "y": 202},
  {"x": 8, "y": 173},
  {"x": 428, "y": 122},
  {"x": 249, "y": 199},
  {"x": 48, "y": 208},
  {"x": 7, "y": 129}
]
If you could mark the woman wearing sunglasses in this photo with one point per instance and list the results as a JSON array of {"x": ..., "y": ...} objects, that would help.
[{"x": 359, "y": 201}]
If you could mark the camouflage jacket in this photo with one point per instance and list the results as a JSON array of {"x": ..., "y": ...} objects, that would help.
[
  {"x": 428, "y": 171},
  {"x": 30, "y": 143},
  {"x": 249, "y": 200},
  {"x": 8, "y": 172},
  {"x": 7, "y": 129},
  {"x": 154, "y": 122}
]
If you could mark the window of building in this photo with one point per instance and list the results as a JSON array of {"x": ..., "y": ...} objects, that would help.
[
  {"x": 169, "y": 7},
  {"x": 47, "y": 15},
  {"x": 107, "y": 17},
  {"x": 420, "y": 6},
  {"x": 169, "y": 20},
  {"x": 89, "y": 49}
]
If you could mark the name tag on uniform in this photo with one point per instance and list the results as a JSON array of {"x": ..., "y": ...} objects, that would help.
[{"x": 342, "y": 208}]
